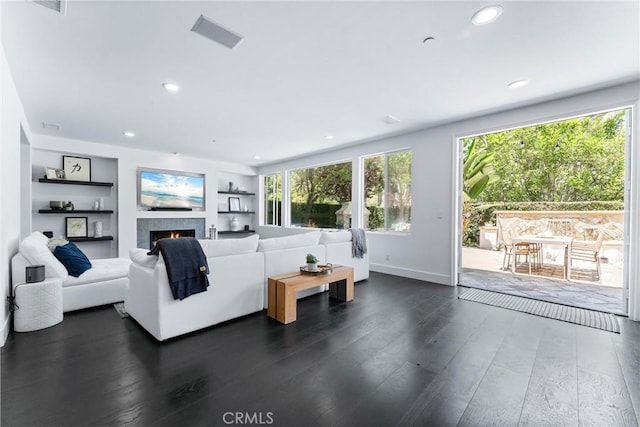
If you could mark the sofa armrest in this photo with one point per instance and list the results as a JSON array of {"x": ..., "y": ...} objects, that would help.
[{"x": 142, "y": 297}]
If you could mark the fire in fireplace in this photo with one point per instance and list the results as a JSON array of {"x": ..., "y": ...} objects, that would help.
[{"x": 155, "y": 235}]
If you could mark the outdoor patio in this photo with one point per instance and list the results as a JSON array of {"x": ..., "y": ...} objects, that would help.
[{"x": 482, "y": 268}]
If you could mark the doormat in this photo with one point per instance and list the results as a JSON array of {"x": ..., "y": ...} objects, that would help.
[
  {"x": 119, "y": 306},
  {"x": 579, "y": 316}
]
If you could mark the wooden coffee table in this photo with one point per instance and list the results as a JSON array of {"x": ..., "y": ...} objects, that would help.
[{"x": 282, "y": 290}]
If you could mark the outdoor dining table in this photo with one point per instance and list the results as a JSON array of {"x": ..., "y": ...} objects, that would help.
[{"x": 546, "y": 240}]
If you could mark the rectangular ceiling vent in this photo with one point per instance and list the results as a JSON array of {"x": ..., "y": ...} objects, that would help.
[
  {"x": 50, "y": 126},
  {"x": 57, "y": 5},
  {"x": 209, "y": 29}
]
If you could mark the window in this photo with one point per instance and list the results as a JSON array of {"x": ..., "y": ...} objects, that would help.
[
  {"x": 272, "y": 199},
  {"x": 320, "y": 196},
  {"x": 387, "y": 192}
]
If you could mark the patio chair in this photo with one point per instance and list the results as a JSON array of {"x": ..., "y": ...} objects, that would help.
[
  {"x": 532, "y": 252},
  {"x": 582, "y": 250}
]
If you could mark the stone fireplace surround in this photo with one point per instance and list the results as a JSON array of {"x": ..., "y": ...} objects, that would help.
[{"x": 146, "y": 225}]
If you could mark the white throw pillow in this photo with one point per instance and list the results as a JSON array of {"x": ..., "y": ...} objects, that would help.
[
  {"x": 56, "y": 241},
  {"x": 226, "y": 247},
  {"x": 335, "y": 237},
  {"x": 140, "y": 257},
  {"x": 287, "y": 242},
  {"x": 34, "y": 249}
]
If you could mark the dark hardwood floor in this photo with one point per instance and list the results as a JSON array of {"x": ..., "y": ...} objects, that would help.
[{"x": 404, "y": 352}]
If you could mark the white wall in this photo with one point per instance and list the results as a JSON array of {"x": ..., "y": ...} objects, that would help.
[
  {"x": 129, "y": 160},
  {"x": 11, "y": 119},
  {"x": 428, "y": 253}
]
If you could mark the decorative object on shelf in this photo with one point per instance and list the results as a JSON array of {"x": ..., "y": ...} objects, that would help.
[
  {"x": 101, "y": 203},
  {"x": 234, "y": 224},
  {"x": 246, "y": 208},
  {"x": 53, "y": 173},
  {"x": 234, "y": 204},
  {"x": 57, "y": 205},
  {"x": 96, "y": 205},
  {"x": 69, "y": 206},
  {"x": 230, "y": 186},
  {"x": 76, "y": 226},
  {"x": 246, "y": 228},
  {"x": 98, "y": 232},
  {"x": 312, "y": 262},
  {"x": 77, "y": 168},
  {"x": 213, "y": 232}
]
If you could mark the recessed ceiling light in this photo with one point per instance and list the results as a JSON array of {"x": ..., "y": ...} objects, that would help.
[
  {"x": 329, "y": 137},
  {"x": 172, "y": 87},
  {"x": 257, "y": 157},
  {"x": 486, "y": 15},
  {"x": 518, "y": 83},
  {"x": 129, "y": 134},
  {"x": 390, "y": 120}
]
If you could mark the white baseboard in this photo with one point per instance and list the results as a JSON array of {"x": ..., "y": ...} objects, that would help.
[
  {"x": 442, "y": 279},
  {"x": 4, "y": 332}
]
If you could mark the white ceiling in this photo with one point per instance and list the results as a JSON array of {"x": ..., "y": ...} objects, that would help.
[{"x": 304, "y": 70}]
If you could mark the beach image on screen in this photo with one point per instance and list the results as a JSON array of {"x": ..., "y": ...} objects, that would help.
[{"x": 167, "y": 190}]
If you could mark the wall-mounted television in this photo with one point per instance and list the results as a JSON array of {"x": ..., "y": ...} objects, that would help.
[{"x": 161, "y": 189}]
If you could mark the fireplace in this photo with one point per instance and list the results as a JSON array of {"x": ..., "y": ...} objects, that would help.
[
  {"x": 144, "y": 226},
  {"x": 155, "y": 235}
]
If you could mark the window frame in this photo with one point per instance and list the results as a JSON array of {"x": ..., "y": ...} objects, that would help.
[
  {"x": 263, "y": 200},
  {"x": 287, "y": 190},
  {"x": 363, "y": 190}
]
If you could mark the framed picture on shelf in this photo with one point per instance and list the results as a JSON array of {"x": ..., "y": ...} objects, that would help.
[
  {"x": 51, "y": 173},
  {"x": 76, "y": 226},
  {"x": 234, "y": 204},
  {"x": 77, "y": 168}
]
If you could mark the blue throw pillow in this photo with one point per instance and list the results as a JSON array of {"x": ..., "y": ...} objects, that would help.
[{"x": 72, "y": 258}]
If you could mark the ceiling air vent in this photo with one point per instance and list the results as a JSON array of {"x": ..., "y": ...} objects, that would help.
[
  {"x": 50, "y": 126},
  {"x": 57, "y": 5},
  {"x": 209, "y": 29}
]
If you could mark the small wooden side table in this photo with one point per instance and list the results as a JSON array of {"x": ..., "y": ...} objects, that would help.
[{"x": 282, "y": 302}]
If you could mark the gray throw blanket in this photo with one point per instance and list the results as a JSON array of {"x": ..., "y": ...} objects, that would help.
[
  {"x": 358, "y": 243},
  {"x": 186, "y": 265}
]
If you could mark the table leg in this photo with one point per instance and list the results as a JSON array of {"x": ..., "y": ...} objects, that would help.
[
  {"x": 272, "y": 301},
  {"x": 342, "y": 289},
  {"x": 513, "y": 257},
  {"x": 286, "y": 303}
]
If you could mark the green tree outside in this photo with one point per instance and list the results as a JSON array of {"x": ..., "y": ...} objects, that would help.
[{"x": 578, "y": 159}]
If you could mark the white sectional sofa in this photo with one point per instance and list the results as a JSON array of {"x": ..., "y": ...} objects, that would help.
[
  {"x": 285, "y": 254},
  {"x": 239, "y": 269},
  {"x": 235, "y": 289},
  {"x": 104, "y": 283},
  {"x": 338, "y": 251}
]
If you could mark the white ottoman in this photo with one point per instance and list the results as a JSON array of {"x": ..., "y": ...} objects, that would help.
[{"x": 37, "y": 305}]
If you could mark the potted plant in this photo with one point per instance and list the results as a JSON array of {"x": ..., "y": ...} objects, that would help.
[{"x": 312, "y": 262}]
